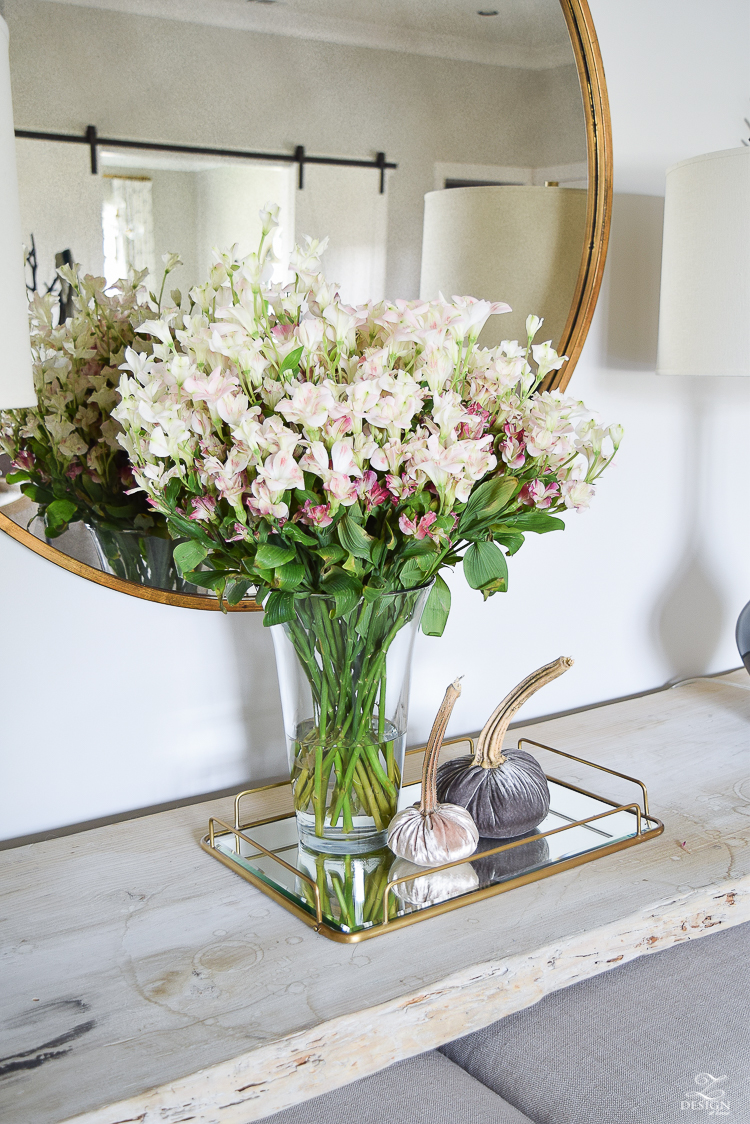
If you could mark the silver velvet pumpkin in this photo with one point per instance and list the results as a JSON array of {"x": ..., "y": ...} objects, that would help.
[
  {"x": 505, "y": 791},
  {"x": 430, "y": 833},
  {"x": 429, "y": 888}
]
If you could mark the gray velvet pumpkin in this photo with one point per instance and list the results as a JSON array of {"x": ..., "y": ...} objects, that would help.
[
  {"x": 491, "y": 869},
  {"x": 504, "y": 790},
  {"x": 505, "y": 801}
]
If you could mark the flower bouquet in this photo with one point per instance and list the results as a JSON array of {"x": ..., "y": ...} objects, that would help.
[
  {"x": 337, "y": 459},
  {"x": 64, "y": 451}
]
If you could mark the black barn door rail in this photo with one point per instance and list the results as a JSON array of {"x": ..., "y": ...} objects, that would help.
[{"x": 92, "y": 139}]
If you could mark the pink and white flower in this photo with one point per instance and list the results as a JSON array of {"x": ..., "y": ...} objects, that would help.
[
  {"x": 577, "y": 494},
  {"x": 280, "y": 473},
  {"x": 372, "y": 492},
  {"x": 202, "y": 508},
  {"x": 309, "y": 406},
  {"x": 314, "y": 515},
  {"x": 538, "y": 494},
  {"x": 419, "y": 528}
]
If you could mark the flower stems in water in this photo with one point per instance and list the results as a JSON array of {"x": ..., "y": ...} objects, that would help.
[{"x": 345, "y": 763}]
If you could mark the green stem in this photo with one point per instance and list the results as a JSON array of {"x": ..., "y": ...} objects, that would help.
[
  {"x": 346, "y": 783},
  {"x": 381, "y": 709},
  {"x": 318, "y": 792},
  {"x": 370, "y": 798}
]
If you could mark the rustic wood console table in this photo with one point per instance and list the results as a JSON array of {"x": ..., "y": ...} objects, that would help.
[{"x": 143, "y": 982}]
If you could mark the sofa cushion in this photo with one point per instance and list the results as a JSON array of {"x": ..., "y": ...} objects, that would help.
[
  {"x": 427, "y": 1089},
  {"x": 643, "y": 1041}
]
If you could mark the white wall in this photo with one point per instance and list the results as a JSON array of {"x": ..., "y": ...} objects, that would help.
[
  {"x": 345, "y": 206},
  {"x": 109, "y": 703},
  {"x": 46, "y": 174}
]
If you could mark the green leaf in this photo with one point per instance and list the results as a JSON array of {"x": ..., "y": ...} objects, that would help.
[
  {"x": 486, "y": 503},
  {"x": 237, "y": 591},
  {"x": 119, "y": 511},
  {"x": 180, "y": 528},
  {"x": 189, "y": 555},
  {"x": 60, "y": 512},
  {"x": 95, "y": 491},
  {"x": 17, "y": 477},
  {"x": 427, "y": 561},
  {"x": 354, "y": 538},
  {"x": 377, "y": 552},
  {"x": 331, "y": 554},
  {"x": 410, "y": 574},
  {"x": 292, "y": 531},
  {"x": 513, "y": 540},
  {"x": 435, "y": 616},
  {"x": 291, "y": 363},
  {"x": 208, "y": 579},
  {"x": 538, "y": 521},
  {"x": 35, "y": 493},
  {"x": 172, "y": 490},
  {"x": 279, "y": 607},
  {"x": 303, "y": 494},
  {"x": 485, "y": 567},
  {"x": 345, "y": 602},
  {"x": 372, "y": 592},
  {"x": 346, "y": 589},
  {"x": 291, "y": 575},
  {"x": 365, "y": 617},
  {"x": 415, "y": 547},
  {"x": 268, "y": 556}
]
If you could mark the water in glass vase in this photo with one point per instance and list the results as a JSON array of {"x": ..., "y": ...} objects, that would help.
[
  {"x": 344, "y": 684},
  {"x": 345, "y": 794}
]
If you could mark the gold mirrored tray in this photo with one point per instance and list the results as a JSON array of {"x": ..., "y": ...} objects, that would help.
[{"x": 350, "y": 898}]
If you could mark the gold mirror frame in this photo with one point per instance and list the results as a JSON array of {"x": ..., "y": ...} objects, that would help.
[{"x": 598, "y": 214}]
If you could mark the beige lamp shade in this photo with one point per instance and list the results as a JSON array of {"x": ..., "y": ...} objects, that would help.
[
  {"x": 522, "y": 245},
  {"x": 16, "y": 383},
  {"x": 704, "y": 312}
]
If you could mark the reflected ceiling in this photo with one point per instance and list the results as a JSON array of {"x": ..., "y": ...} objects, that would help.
[{"x": 525, "y": 33}]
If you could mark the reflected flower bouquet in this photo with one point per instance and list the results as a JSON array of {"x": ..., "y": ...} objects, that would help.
[
  {"x": 329, "y": 456},
  {"x": 65, "y": 450}
]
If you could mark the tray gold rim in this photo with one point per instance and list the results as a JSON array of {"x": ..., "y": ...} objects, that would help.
[{"x": 318, "y": 924}]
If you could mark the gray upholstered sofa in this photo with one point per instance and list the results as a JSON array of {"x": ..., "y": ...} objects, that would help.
[{"x": 664, "y": 1038}]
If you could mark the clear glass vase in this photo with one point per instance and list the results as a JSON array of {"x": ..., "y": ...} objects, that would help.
[
  {"x": 344, "y": 684},
  {"x": 138, "y": 557}
]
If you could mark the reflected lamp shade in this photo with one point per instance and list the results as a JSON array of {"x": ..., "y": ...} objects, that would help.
[
  {"x": 704, "y": 309},
  {"x": 522, "y": 245},
  {"x": 16, "y": 381}
]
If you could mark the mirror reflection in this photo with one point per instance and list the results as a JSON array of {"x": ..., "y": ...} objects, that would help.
[
  {"x": 351, "y": 888},
  {"x": 480, "y": 111}
]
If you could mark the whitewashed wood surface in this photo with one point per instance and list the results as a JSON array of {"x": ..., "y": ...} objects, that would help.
[{"x": 142, "y": 981}]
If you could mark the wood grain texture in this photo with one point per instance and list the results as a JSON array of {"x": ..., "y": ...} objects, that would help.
[{"x": 168, "y": 988}]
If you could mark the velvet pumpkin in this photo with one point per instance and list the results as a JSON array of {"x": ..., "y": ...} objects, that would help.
[
  {"x": 504, "y": 791},
  {"x": 432, "y": 833}
]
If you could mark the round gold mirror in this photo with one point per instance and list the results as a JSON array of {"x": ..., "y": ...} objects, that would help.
[{"x": 441, "y": 147}]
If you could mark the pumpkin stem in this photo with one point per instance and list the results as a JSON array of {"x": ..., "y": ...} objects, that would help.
[
  {"x": 429, "y": 802},
  {"x": 489, "y": 751}
]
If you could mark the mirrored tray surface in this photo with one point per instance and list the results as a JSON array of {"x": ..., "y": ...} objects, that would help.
[{"x": 352, "y": 897}]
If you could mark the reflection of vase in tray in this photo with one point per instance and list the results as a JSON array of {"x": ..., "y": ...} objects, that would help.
[
  {"x": 350, "y": 886},
  {"x": 138, "y": 557},
  {"x": 534, "y": 852},
  {"x": 344, "y": 684}
]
